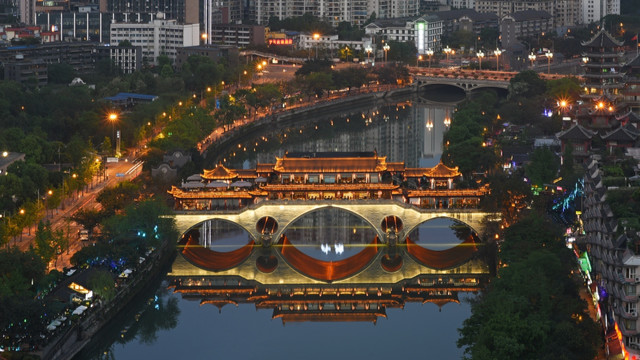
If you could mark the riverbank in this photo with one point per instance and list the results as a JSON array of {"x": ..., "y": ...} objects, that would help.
[
  {"x": 284, "y": 118},
  {"x": 67, "y": 344}
]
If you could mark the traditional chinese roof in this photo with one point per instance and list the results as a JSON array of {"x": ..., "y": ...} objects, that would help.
[
  {"x": 329, "y": 187},
  {"x": 448, "y": 193},
  {"x": 213, "y": 194},
  {"x": 246, "y": 173},
  {"x": 631, "y": 128},
  {"x": 576, "y": 132},
  {"x": 220, "y": 172},
  {"x": 634, "y": 63},
  {"x": 442, "y": 171},
  {"x": 620, "y": 135},
  {"x": 331, "y": 163},
  {"x": 602, "y": 39},
  {"x": 630, "y": 117},
  {"x": 333, "y": 315}
]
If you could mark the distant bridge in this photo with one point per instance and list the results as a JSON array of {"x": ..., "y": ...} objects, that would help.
[
  {"x": 468, "y": 80},
  {"x": 280, "y": 58}
]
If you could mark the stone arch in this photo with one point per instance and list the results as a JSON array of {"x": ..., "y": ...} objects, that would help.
[
  {"x": 472, "y": 226},
  {"x": 284, "y": 227},
  {"x": 210, "y": 217},
  {"x": 212, "y": 260}
]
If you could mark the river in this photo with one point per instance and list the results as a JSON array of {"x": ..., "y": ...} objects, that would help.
[{"x": 162, "y": 324}]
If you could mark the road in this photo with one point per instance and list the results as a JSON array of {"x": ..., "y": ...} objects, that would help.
[{"x": 59, "y": 218}]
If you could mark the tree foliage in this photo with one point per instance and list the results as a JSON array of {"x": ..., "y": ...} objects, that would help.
[
  {"x": 543, "y": 167},
  {"x": 532, "y": 310}
]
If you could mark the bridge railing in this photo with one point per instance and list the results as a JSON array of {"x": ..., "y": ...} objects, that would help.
[{"x": 328, "y": 203}]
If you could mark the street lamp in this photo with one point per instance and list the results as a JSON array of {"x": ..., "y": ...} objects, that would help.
[
  {"x": 113, "y": 118},
  {"x": 480, "y": 56},
  {"x": 429, "y": 54},
  {"x": 386, "y": 48},
  {"x": 368, "y": 49},
  {"x": 532, "y": 58},
  {"x": 549, "y": 56},
  {"x": 316, "y": 37},
  {"x": 447, "y": 51},
  {"x": 497, "y": 52}
]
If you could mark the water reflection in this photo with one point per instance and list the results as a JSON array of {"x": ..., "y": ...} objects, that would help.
[
  {"x": 222, "y": 236},
  {"x": 151, "y": 312},
  {"x": 216, "y": 245},
  {"x": 440, "y": 234},
  {"x": 330, "y": 234},
  {"x": 409, "y": 131}
]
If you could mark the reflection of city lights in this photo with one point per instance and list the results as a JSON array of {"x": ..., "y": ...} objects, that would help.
[{"x": 326, "y": 248}]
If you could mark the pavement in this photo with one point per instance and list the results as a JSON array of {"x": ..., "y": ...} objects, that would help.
[{"x": 115, "y": 173}]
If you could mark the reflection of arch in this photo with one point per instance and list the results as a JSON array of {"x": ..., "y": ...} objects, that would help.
[
  {"x": 442, "y": 259},
  {"x": 327, "y": 270},
  {"x": 214, "y": 260},
  {"x": 214, "y": 218},
  {"x": 267, "y": 264},
  {"x": 298, "y": 217},
  {"x": 391, "y": 264}
]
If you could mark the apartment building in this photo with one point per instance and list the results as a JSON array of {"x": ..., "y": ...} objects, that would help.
[{"x": 158, "y": 37}]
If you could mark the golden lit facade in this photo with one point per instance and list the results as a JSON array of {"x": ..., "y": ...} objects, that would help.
[{"x": 326, "y": 176}]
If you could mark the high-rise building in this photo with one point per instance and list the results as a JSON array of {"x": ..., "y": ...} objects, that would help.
[
  {"x": 158, "y": 37},
  {"x": 595, "y": 10},
  {"x": 356, "y": 12}
]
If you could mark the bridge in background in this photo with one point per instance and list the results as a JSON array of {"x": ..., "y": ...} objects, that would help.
[{"x": 468, "y": 80}]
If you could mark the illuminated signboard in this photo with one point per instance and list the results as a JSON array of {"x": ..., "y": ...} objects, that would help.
[{"x": 280, "y": 41}]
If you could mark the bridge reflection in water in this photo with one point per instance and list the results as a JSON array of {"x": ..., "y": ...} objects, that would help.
[{"x": 329, "y": 265}]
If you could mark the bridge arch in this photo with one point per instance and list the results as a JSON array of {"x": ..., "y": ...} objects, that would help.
[
  {"x": 471, "y": 225},
  {"x": 373, "y": 212},
  {"x": 193, "y": 251},
  {"x": 286, "y": 226}
]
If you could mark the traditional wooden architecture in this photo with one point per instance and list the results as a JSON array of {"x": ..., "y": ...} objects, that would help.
[
  {"x": 620, "y": 138},
  {"x": 603, "y": 82},
  {"x": 325, "y": 176},
  {"x": 603, "y": 70},
  {"x": 631, "y": 91},
  {"x": 579, "y": 138}
]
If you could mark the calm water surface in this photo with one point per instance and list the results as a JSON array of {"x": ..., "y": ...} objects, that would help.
[{"x": 163, "y": 325}]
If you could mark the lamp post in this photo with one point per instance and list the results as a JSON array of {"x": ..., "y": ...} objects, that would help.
[
  {"x": 316, "y": 37},
  {"x": 532, "y": 58},
  {"x": 447, "y": 51},
  {"x": 480, "y": 55},
  {"x": 386, "y": 48},
  {"x": 368, "y": 49},
  {"x": 429, "y": 54},
  {"x": 549, "y": 56},
  {"x": 113, "y": 118},
  {"x": 497, "y": 52}
]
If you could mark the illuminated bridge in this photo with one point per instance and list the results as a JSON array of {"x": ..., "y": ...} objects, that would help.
[
  {"x": 373, "y": 211},
  {"x": 468, "y": 80},
  {"x": 361, "y": 286}
]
